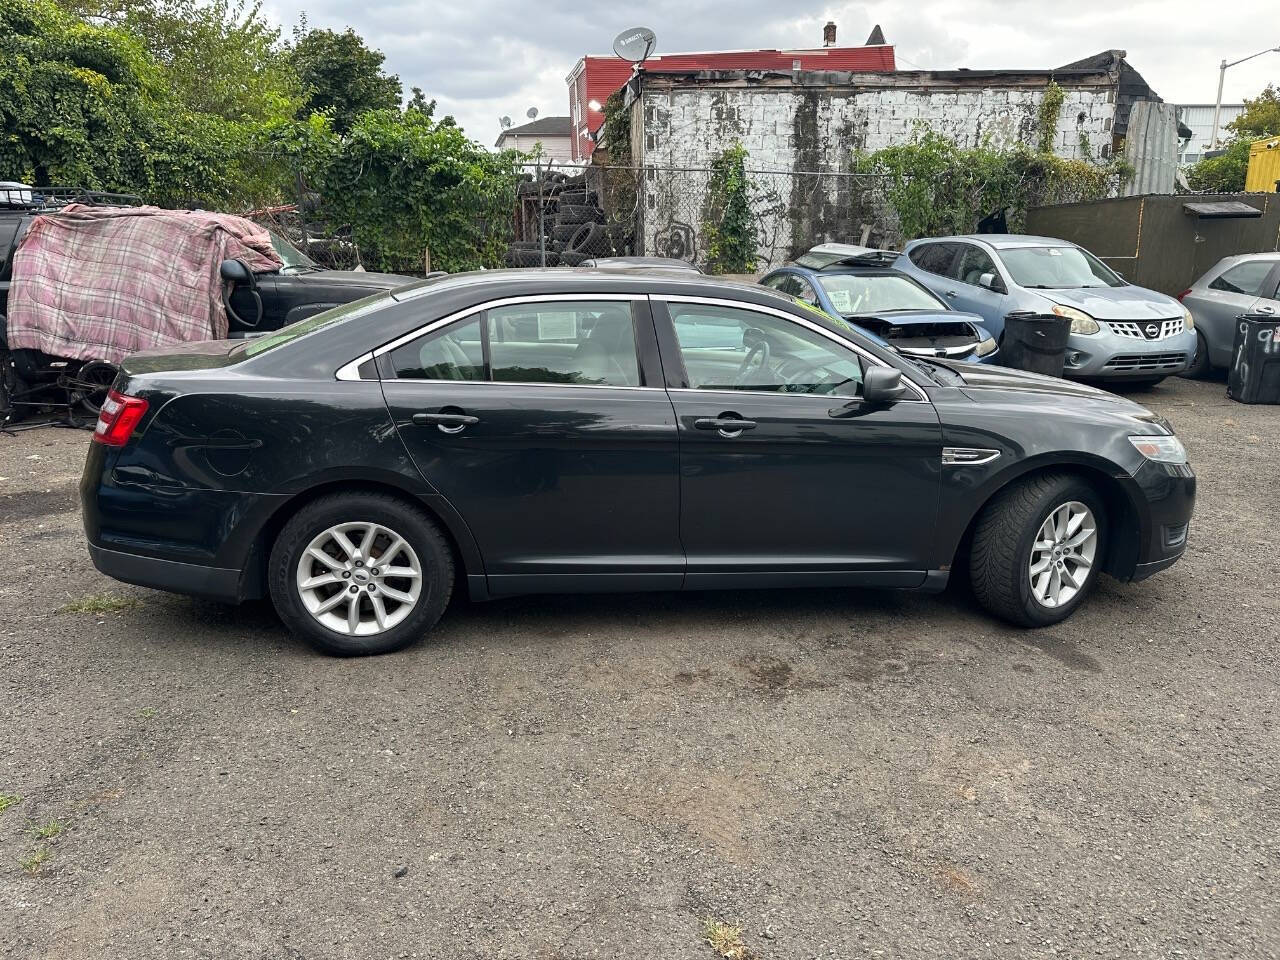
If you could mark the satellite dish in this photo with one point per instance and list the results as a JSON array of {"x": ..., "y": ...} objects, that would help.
[
  {"x": 505, "y": 123},
  {"x": 531, "y": 112},
  {"x": 635, "y": 44}
]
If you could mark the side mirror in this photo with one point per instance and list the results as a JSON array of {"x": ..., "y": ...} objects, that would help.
[
  {"x": 882, "y": 386},
  {"x": 235, "y": 271},
  {"x": 987, "y": 280}
]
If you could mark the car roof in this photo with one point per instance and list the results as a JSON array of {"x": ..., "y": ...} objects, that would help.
[
  {"x": 1003, "y": 241},
  {"x": 552, "y": 280}
]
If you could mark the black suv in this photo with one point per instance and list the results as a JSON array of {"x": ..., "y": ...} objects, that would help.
[{"x": 259, "y": 303}]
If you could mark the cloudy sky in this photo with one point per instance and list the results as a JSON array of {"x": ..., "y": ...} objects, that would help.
[{"x": 482, "y": 59}]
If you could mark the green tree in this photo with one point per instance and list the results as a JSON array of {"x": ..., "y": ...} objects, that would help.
[
  {"x": 1227, "y": 172},
  {"x": 220, "y": 57},
  {"x": 84, "y": 105},
  {"x": 1261, "y": 117},
  {"x": 341, "y": 76}
]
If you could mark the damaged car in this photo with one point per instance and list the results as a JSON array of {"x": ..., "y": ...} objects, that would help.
[{"x": 861, "y": 285}]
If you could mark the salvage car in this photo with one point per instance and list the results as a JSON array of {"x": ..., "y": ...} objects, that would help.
[
  {"x": 518, "y": 432},
  {"x": 1119, "y": 331},
  {"x": 1246, "y": 284},
  {"x": 67, "y": 357},
  {"x": 860, "y": 285}
]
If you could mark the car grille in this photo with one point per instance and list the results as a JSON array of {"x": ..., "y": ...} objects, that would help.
[
  {"x": 1149, "y": 361},
  {"x": 1147, "y": 329}
]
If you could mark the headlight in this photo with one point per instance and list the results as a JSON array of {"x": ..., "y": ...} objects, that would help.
[
  {"x": 1188, "y": 319},
  {"x": 1160, "y": 449},
  {"x": 1081, "y": 322},
  {"x": 986, "y": 347}
]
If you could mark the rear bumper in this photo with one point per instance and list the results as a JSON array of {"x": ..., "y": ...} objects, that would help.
[{"x": 215, "y": 583}]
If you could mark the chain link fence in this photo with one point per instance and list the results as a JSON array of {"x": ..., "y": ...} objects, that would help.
[{"x": 564, "y": 216}]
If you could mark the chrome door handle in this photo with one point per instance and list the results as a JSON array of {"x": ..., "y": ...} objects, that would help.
[
  {"x": 1265, "y": 309},
  {"x": 950, "y": 293},
  {"x": 726, "y": 426},
  {"x": 447, "y": 422}
]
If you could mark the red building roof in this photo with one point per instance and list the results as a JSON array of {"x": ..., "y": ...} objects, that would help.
[{"x": 594, "y": 78}]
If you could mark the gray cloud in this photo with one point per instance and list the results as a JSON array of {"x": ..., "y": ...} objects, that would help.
[{"x": 484, "y": 58}]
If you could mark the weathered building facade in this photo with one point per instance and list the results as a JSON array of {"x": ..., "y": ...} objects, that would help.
[{"x": 802, "y": 131}]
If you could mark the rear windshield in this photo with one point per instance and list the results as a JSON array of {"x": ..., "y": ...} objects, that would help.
[
  {"x": 1057, "y": 268},
  {"x": 328, "y": 318}
]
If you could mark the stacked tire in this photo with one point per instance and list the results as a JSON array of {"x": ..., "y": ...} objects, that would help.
[{"x": 576, "y": 229}]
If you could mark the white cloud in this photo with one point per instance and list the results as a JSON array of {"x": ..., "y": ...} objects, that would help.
[{"x": 482, "y": 59}]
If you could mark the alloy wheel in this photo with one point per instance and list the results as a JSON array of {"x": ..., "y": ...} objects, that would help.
[
  {"x": 1063, "y": 554},
  {"x": 359, "y": 579}
]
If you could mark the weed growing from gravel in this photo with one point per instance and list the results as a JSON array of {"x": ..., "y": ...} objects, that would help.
[
  {"x": 7, "y": 800},
  {"x": 46, "y": 831},
  {"x": 100, "y": 603},
  {"x": 32, "y": 864},
  {"x": 725, "y": 939}
]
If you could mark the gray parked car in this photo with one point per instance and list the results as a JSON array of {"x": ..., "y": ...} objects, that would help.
[
  {"x": 1118, "y": 331},
  {"x": 1249, "y": 283}
]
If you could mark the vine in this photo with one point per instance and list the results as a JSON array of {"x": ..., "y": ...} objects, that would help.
[
  {"x": 728, "y": 223},
  {"x": 937, "y": 187},
  {"x": 1047, "y": 118}
]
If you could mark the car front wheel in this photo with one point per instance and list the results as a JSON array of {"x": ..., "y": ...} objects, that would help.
[
  {"x": 1037, "y": 549},
  {"x": 359, "y": 574}
]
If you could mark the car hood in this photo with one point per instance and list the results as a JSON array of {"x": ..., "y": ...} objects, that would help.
[
  {"x": 906, "y": 318},
  {"x": 1117, "y": 303},
  {"x": 1022, "y": 390}
]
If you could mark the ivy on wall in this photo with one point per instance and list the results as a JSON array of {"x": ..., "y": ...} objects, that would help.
[{"x": 729, "y": 226}]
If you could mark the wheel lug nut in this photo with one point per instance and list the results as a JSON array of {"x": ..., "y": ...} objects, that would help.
[
  {"x": 354, "y": 588},
  {"x": 346, "y": 574}
]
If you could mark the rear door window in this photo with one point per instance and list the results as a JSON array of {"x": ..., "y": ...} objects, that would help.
[
  {"x": 1244, "y": 278},
  {"x": 583, "y": 343},
  {"x": 934, "y": 257}
]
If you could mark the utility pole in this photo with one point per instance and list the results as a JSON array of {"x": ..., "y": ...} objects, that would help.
[{"x": 1222, "y": 76}]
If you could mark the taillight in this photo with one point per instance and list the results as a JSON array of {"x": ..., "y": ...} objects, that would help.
[
  {"x": 117, "y": 419},
  {"x": 1183, "y": 294}
]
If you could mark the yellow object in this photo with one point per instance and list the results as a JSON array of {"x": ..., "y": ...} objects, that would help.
[{"x": 1264, "y": 166}]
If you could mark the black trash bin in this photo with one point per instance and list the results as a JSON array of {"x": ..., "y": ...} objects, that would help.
[
  {"x": 1036, "y": 342},
  {"x": 1255, "y": 359}
]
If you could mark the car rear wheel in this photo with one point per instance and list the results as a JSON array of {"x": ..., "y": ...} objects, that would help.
[
  {"x": 1038, "y": 548},
  {"x": 359, "y": 574}
]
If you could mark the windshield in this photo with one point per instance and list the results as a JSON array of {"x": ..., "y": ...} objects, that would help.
[
  {"x": 294, "y": 259},
  {"x": 858, "y": 294},
  {"x": 1057, "y": 268},
  {"x": 311, "y": 324}
]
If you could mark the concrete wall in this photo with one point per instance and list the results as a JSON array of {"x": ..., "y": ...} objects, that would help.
[{"x": 797, "y": 129}]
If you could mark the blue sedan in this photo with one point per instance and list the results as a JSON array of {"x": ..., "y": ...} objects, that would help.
[{"x": 860, "y": 285}]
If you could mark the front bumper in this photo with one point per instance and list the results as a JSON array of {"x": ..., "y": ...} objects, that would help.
[
  {"x": 1169, "y": 491},
  {"x": 1107, "y": 355}
]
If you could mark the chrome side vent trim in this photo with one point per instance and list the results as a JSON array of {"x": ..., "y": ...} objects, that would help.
[{"x": 967, "y": 456}]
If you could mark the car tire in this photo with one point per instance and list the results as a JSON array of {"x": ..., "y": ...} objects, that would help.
[
  {"x": 425, "y": 552},
  {"x": 1200, "y": 367},
  {"x": 1006, "y": 545}
]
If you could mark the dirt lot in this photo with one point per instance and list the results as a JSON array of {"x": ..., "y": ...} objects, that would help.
[{"x": 839, "y": 773}]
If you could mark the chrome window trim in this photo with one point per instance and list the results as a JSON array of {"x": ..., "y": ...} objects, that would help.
[
  {"x": 351, "y": 370},
  {"x": 807, "y": 324}
]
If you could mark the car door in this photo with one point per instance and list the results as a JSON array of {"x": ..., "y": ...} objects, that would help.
[
  {"x": 968, "y": 294},
  {"x": 786, "y": 477},
  {"x": 544, "y": 422}
]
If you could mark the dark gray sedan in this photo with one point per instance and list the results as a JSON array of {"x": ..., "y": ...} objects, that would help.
[{"x": 1249, "y": 283}]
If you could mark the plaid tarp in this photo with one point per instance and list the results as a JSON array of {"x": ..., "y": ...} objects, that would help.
[{"x": 99, "y": 283}]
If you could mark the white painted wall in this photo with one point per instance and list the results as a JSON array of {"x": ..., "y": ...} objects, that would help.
[{"x": 800, "y": 129}]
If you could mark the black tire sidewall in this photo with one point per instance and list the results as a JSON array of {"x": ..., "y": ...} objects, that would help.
[
  {"x": 1061, "y": 493},
  {"x": 415, "y": 526}
]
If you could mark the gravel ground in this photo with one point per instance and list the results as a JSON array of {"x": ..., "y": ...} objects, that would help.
[{"x": 839, "y": 773}]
